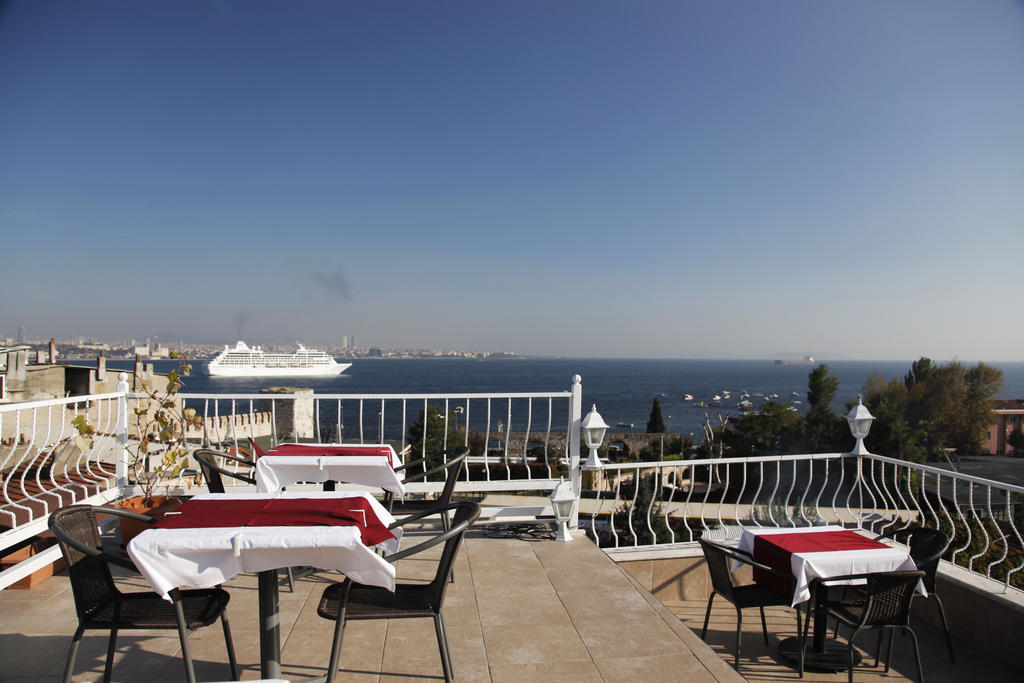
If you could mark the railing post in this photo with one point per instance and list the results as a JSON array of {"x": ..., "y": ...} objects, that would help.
[
  {"x": 860, "y": 492},
  {"x": 121, "y": 430},
  {"x": 575, "y": 413}
]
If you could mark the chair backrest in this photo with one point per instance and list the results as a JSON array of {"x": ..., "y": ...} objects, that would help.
[
  {"x": 91, "y": 581},
  {"x": 888, "y": 598},
  {"x": 466, "y": 512},
  {"x": 453, "y": 459},
  {"x": 212, "y": 471},
  {"x": 926, "y": 548},
  {"x": 717, "y": 559}
]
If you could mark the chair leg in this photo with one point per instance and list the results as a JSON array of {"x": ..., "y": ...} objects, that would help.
[
  {"x": 764, "y": 626},
  {"x": 291, "y": 580},
  {"x": 339, "y": 633},
  {"x": 853, "y": 634},
  {"x": 945, "y": 627},
  {"x": 707, "y": 616},
  {"x": 72, "y": 653},
  {"x": 917, "y": 653},
  {"x": 739, "y": 634},
  {"x": 108, "y": 665},
  {"x": 230, "y": 645},
  {"x": 888, "y": 654},
  {"x": 186, "y": 654},
  {"x": 878, "y": 646},
  {"x": 442, "y": 646}
]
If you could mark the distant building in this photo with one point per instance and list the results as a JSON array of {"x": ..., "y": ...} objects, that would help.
[{"x": 1009, "y": 416}]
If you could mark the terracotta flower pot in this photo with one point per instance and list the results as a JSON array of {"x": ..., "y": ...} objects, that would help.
[{"x": 131, "y": 528}]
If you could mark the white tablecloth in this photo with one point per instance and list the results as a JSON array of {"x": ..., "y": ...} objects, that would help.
[
  {"x": 274, "y": 472},
  {"x": 208, "y": 556},
  {"x": 809, "y": 566}
]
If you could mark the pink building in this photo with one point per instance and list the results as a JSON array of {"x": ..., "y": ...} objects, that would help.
[{"x": 1009, "y": 414}]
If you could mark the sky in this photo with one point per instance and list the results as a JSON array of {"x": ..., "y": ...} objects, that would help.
[{"x": 578, "y": 178}]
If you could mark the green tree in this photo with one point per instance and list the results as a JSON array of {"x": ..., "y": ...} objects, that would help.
[
  {"x": 775, "y": 428},
  {"x": 428, "y": 437},
  {"x": 825, "y": 429},
  {"x": 655, "y": 423},
  {"x": 937, "y": 406},
  {"x": 1016, "y": 441}
]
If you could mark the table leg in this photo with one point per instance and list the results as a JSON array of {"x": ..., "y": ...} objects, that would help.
[
  {"x": 270, "y": 619},
  {"x": 824, "y": 654}
]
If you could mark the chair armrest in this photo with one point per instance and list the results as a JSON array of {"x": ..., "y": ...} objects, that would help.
[
  {"x": 420, "y": 515},
  {"x": 429, "y": 543}
]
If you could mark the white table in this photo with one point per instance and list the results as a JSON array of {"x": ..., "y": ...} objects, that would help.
[
  {"x": 820, "y": 565},
  {"x": 274, "y": 472},
  {"x": 808, "y": 566},
  {"x": 208, "y": 556}
]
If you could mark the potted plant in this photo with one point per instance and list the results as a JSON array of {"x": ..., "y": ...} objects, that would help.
[{"x": 156, "y": 448}]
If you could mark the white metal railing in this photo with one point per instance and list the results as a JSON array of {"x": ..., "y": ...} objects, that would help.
[
  {"x": 520, "y": 441},
  {"x": 675, "y": 502}
]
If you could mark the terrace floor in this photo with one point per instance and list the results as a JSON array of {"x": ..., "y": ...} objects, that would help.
[{"x": 522, "y": 608}]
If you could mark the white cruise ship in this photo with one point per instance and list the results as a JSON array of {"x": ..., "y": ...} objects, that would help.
[{"x": 251, "y": 361}]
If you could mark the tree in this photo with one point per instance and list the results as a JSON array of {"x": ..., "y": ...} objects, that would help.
[
  {"x": 655, "y": 423},
  {"x": 431, "y": 439},
  {"x": 937, "y": 406},
  {"x": 1016, "y": 441},
  {"x": 775, "y": 428},
  {"x": 825, "y": 429}
]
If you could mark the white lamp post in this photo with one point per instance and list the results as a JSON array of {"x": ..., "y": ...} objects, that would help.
[
  {"x": 562, "y": 499},
  {"x": 593, "y": 428},
  {"x": 860, "y": 424}
]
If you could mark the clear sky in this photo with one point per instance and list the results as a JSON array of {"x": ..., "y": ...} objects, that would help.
[{"x": 651, "y": 179}]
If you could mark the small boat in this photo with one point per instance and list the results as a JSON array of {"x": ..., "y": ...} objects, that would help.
[
  {"x": 716, "y": 397},
  {"x": 687, "y": 397},
  {"x": 717, "y": 401},
  {"x": 627, "y": 425},
  {"x": 745, "y": 406}
]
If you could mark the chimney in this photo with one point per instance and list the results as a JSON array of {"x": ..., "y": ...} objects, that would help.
[
  {"x": 53, "y": 350},
  {"x": 101, "y": 368}
]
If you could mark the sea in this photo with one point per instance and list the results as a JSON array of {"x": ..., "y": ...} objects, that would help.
[{"x": 622, "y": 389}]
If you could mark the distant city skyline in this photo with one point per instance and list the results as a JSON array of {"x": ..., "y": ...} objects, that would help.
[{"x": 578, "y": 179}]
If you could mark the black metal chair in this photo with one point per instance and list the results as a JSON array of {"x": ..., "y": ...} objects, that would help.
[
  {"x": 214, "y": 472},
  {"x": 348, "y": 600},
  {"x": 926, "y": 549},
  {"x": 718, "y": 558},
  {"x": 452, "y": 460},
  {"x": 101, "y": 605},
  {"x": 882, "y": 603}
]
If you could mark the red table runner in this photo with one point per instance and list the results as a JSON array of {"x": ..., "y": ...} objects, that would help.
[
  {"x": 776, "y": 551},
  {"x": 317, "y": 450},
  {"x": 352, "y": 511}
]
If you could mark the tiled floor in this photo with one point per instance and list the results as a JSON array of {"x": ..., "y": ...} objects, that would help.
[
  {"x": 519, "y": 610},
  {"x": 762, "y": 662}
]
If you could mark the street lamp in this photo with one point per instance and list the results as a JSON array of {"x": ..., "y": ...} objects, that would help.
[
  {"x": 860, "y": 424},
  {"x": 593, "y": 428},
  {"x": 562, "y": 499}
]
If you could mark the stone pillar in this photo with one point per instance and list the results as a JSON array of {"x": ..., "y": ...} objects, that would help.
[
  {"x": 53, "y": 350},
  {"x": 293, "y": 418},
  {"x": 101, "y": 368}
]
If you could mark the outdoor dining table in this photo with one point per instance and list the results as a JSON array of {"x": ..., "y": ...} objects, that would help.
[
  {"x": 215, "y": 536},
  {"x": 810, "y": 553},
  {"x": 366, "y": 464}
]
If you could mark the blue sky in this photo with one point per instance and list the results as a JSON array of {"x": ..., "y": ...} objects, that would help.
[{"x": 657, "y": 179}]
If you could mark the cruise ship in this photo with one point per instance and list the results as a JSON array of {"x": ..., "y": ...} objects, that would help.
[{"x": 251, "y": 361}]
